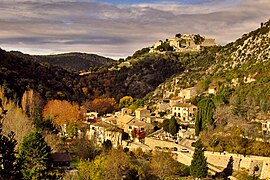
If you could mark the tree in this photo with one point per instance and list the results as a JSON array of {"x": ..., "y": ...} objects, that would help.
[
  {"x": 103, "y": 105},
  {"x": 84, "y": 149},
  {"x": 61, "y": 112},
  {"x": 34, "y": 156},
  {"x": 198, "y": 167},
  {"x": 163, "y": 165},
  {"x": 116, "y": 164},
  {"x": 165, "y": 125},
  {"x": 15, "y": 120},
  {"x": 93, "y": 170},
  {"x": 125, "y": 101},
  {"x": 9, "y": 168},
  {"x": 31, "y": 102},
  {"x": 173, "y": 126},
  {"x": 204, "y": 117},
  {"x": 138, "y": 103}
]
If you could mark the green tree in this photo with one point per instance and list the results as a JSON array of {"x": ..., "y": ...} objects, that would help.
[
  {"x": 198, "y": 167},
  {"x": 204, "y": 116},
  {"x": 173, "y": 126},
  {"x": 165, "y": 125},
  {"x": 34, "y": 156},
  {"x": 93, "y": 170},
  {"x": 125, "y": 101}
]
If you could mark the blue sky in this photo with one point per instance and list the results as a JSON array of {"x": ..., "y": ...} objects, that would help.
[{"x": 115, "y": 28}]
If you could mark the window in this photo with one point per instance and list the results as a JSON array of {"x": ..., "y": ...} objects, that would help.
[{"x": 179, "y": 114}]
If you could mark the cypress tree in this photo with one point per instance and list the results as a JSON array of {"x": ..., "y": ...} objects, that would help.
[
  {"x": 198, "y": 167},
  {"x": 204, "y": 116},
  {"x": 173, "y": 126},
  {"x": 165, "y": 125}
]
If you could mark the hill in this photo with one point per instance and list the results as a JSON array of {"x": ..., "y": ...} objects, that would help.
[
  {"x": 18, "y": 74},
  {"x": 75, "y": 62},
  {"x": 237, "y": 63},
  {"x": 240, "y": 73}
]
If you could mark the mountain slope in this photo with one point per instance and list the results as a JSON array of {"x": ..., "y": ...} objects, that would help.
[
  {"x": 18, "y": 74},
  {"x": 242, "y": 61},
  {"x": 71, "y": 61}
]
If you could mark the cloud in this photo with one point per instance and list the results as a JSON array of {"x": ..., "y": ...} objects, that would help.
[{"x": 117, "y": 30}]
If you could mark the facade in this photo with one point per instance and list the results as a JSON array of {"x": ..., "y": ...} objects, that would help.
[
  {"x": 125, "y": 111},
  {"x": 266, "y": 127},
  {"x": 188, "y": 93},
  {"x": 142, "y": 114},
  {"x": 102, "y": 132},
  {"x": 184, "y": 111},
  {"x": 164, "y": 105},
  {"x": 91, "y": 116},
  {"x": 176, "y": 100}
]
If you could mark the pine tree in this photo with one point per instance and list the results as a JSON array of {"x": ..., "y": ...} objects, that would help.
[
  {"x": 198, "y": 166},
  {"x": 34, "y": 155}
]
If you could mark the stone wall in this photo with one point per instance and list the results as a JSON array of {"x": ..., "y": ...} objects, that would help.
[
  {"x": 218, "y": 159},
  {"x": 239, "y": 161}
]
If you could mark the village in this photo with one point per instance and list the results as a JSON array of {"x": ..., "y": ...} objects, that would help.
[{"x": 139, "y": 129}]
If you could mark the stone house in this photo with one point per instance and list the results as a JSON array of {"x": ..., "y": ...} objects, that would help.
[
  {"x": 102, "y": 132},
  {"x": 176, "y": 100},
  {"x": 188, "y": 93},
  {"x": 142, "y": 114},
  {"x": 212, "y": 90},
  {"x": 164, "y": 105},
  {"x": 184, "y": 111}
]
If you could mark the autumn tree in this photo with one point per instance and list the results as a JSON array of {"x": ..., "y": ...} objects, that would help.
[
  {"x": 9, "y": 167},
  {"x": 31, "y": 102},
  {"x": 163, "y": 165},
  {"x": 125, "y": 101},
  {"x": 116, "y": 164},
  {"x": 103, "y": 105},
  {"x": 61, "y": 112},
  {"x": 15, "y": 120}
]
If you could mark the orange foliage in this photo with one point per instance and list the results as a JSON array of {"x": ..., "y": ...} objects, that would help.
[
  {"x": 103, "y": 105},
  {"x": 61, "y": 112}
]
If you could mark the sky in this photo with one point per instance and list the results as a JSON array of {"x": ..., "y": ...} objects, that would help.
[{"x": 116, "y": 29}]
